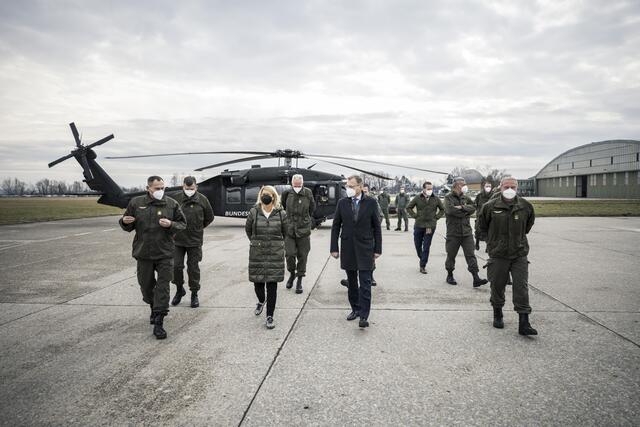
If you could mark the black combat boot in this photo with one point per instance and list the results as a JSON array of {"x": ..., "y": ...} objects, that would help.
[
  {"x": 477, "y": 281},
  {"x": 180, "y": 292},
  {"x": 299, "y": 285},
  {"x": 345, "y": 283},
  {"x": 290, "y": 281},
  {"x": 195, "y": 302},
  {"x": 152, "y": 319},
  {"x": 450, "y": 279},
  {"x": 388, "y": 228},
  {"x": 158, "y": 330},
  {"x": 497, "y": 318},
  {"x": 525, "y": 327}
]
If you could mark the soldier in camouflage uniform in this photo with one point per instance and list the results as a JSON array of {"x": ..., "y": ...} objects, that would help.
[
  {"x": 199, "y": 215},
  {"x": 299, "y": 204},
  {"x": 384, "y": 200},
  {"x": 458, "y": 208},
  {"x": 505, "y": 221},
  {"x": 402, "y": 201},
  {"x": 156, "y": 219}
]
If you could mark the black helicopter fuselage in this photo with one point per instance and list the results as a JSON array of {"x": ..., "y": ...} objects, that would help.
[{"x": 232, "y": 193}]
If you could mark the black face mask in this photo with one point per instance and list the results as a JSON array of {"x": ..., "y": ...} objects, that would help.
[{"x": 266, "y": 199}]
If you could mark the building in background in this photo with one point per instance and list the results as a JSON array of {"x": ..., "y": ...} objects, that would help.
[{"x": 606, "y": 169}]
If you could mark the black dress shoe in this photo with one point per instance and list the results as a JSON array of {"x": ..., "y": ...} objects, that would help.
[
  {"x": 299, "y": 285},
  {"x": 180, "y": 292},
  {"x": 364, "y": 323},
  {"x": 352, "y": 316},
  {"x": 345, "y": 283},
  {"x": 290, "y": 281},
  {"x": 195, "y": 302},
  {"x": 423, "y": 270}
]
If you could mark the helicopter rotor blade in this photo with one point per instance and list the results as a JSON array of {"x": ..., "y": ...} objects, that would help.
[
  {"x": 76, "y": 135},
  {"x": 377, "y": 163},
  {"x": 263, "y": 153},
  {"x": 101, "y": 141},
  {"x": 352, "y": 167},
  {"x": 245, "y": 159},
  {"x": 60, "y": 160}
]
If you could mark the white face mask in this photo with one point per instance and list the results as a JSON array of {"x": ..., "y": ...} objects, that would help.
[
  {"x": 428, "y": 193},
  {"x": 464, "y": 189},
  {"x": 351, "y": 192},
  {"x": 509, "y": 193},
  {"x": 487, "y": 189},
  {"x": 158, "y": 194},
  {"x": 189, "y": 193},
  {"x": 297, "y": 189}
]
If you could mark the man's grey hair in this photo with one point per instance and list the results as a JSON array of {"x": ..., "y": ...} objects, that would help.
[
  {"x": 458, "y": 180},
  {"x": 297, "y": 177},
  {"x": 508, "y": 178},
  {"x": 358, "y": 179}
]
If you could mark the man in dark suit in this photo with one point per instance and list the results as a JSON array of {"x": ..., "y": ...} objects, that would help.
[{"x": 357, "y": 224}]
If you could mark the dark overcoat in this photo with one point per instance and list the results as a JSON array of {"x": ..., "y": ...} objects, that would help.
[{"x": 360, "y": 237}]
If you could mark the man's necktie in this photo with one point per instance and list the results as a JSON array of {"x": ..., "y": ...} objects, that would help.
[{"x": 355, "y": 206}]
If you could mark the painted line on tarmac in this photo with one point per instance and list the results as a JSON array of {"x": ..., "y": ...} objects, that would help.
[
  {"x": 284, "y": 341},
  {"x": 591, "y": 319}
]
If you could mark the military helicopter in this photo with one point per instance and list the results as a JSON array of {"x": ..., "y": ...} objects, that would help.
[{"x": 232, "y": 193}]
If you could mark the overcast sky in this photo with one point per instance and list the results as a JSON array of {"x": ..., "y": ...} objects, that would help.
[{"x": 433, "y": 84}]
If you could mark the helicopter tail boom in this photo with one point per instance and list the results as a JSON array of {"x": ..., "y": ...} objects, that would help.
[{"x": 96, "y": 178}]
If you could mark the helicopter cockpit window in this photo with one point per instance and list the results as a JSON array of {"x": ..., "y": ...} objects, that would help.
[
  {"x": 251, "y": 195},
  {"x": 332, "y": 192},
  {"x": 282, "y": 188},
  {"x": 233, "y": 195}
]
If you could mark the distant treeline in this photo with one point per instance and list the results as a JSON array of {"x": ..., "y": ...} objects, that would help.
[{"x": 47, "y": 187}]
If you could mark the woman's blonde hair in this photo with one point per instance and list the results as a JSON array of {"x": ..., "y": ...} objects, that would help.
[{"x": 274, "y": 193}]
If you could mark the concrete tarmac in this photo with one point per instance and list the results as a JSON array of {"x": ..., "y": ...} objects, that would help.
[{"x": 76, "y": 346}]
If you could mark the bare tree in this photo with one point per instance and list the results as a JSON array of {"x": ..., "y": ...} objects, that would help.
[
  {"x": 43, "y": 187},
  {"x": 374, "y": 181},
  {"x": 14, "y": 186}
]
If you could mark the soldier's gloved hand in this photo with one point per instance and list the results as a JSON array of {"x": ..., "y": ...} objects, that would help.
[{"x": 164, "y": 222}]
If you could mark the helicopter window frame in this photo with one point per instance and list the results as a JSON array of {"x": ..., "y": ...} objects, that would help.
[
  {"x": 230, "y": 192},
  {"x": 251, "y": 200}
]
